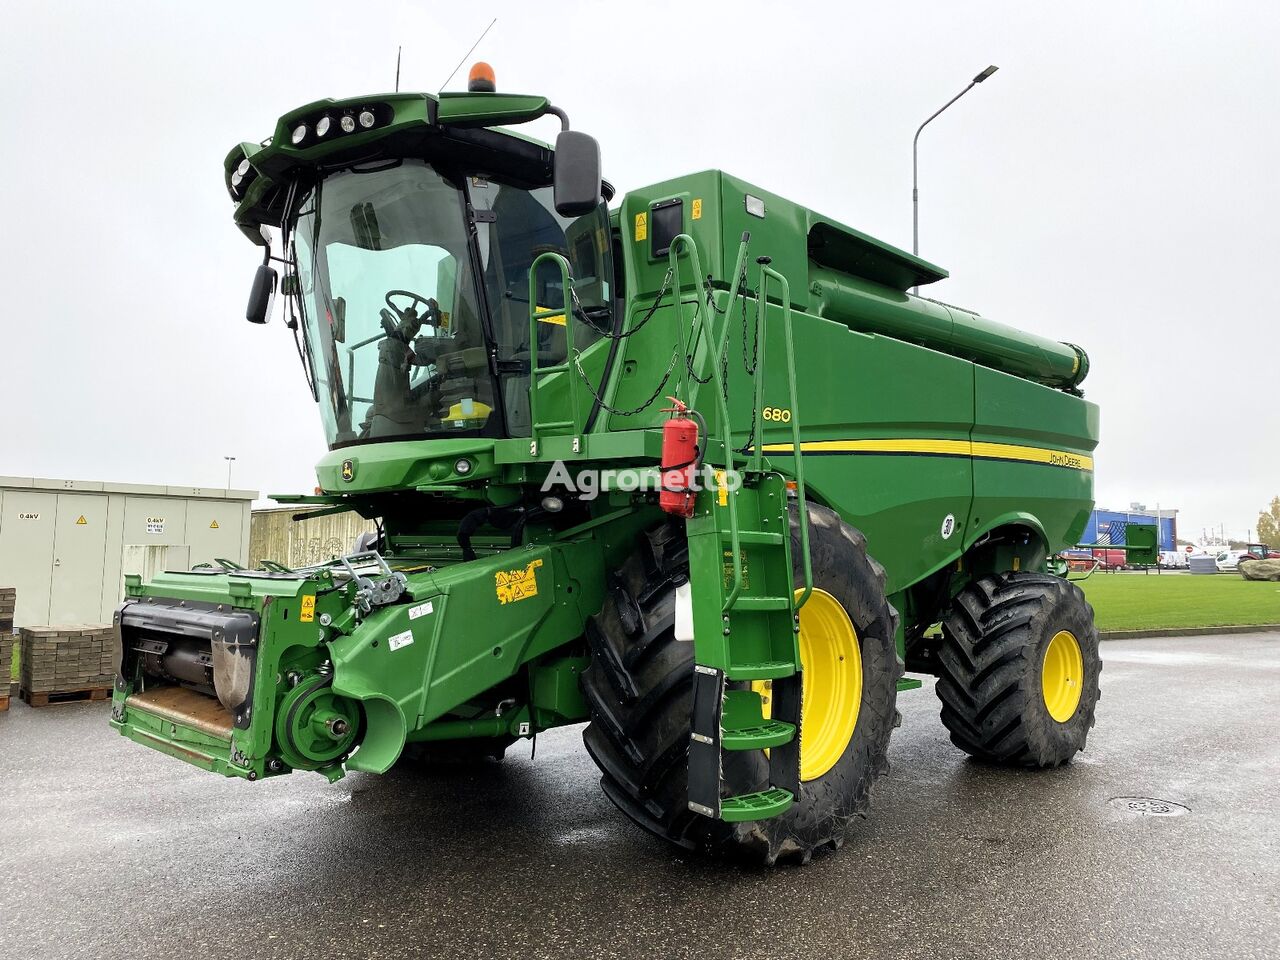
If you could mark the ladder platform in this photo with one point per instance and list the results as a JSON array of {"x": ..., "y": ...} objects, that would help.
[
  {"x": 756, "y": 806},
  {"x": 761, "y": 736},
  {"x": 764, "y": 670},
  {"x": 756, "y": 537},
  {"x": 752, "y": 604}
]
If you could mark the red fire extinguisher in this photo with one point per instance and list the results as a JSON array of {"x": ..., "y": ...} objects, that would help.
[{"x": 681, "y": 458}]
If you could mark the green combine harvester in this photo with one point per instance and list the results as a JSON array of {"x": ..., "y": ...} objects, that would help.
[{"x": 695, "y": 468}]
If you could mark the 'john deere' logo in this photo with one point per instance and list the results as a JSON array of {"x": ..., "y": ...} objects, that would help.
[{"x": 348, "y": 470}]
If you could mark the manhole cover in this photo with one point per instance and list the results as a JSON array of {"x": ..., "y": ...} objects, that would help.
[{"x": 1149, "y": 806}]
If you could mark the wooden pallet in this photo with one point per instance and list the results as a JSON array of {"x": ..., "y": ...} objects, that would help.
[{"x": 64, "y": 696}]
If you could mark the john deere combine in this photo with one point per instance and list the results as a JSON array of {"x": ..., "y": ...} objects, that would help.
[{"x": 695, "y": 468}]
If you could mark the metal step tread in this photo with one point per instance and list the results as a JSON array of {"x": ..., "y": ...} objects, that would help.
[
  {"x": 759, "y": 736},
  {"x": 756, "y": 806},
  {"x": 762, "y": 670},
  {"x": 754, "y": 604},
  {"x": 751, "y": 537}
]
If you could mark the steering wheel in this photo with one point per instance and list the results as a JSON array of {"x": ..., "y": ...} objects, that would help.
[{"x": 429, "y": 314}]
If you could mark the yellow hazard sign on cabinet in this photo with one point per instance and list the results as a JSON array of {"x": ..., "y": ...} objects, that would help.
[
  {"x": 213, "y": 525},
  {"x": 642, "y": 226},
  {"x": 307, "y": 613},
  {"x": 697, "y": 209},
  {"x": 513, "y": 585},
  {"x": 82, "y": 521}
]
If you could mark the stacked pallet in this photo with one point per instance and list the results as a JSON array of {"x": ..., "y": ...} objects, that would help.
[
  {"x": 8, "y": 597},
  {"x": 65, "y": 662}
]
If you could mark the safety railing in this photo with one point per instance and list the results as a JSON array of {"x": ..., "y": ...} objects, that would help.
[{"x": 563, "y": 314}]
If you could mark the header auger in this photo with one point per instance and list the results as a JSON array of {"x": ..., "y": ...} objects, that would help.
[{"x": 726, "y": 586}]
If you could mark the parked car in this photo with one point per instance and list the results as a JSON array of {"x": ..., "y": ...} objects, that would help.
[
  {"x": 1109, "y": 559},
  {"x": 1173, "y": 559},
  {"x": 1230, "y": 559}
]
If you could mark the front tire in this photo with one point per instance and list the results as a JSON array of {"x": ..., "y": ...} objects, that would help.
[
  {"x": 1019, "y": 667},
  {"x": 639, "y": 688}
]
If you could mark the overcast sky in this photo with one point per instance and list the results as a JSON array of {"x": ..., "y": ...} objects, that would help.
[{"x": 1114, "y": 185}]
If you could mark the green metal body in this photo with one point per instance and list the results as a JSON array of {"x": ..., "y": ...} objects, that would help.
[{"x": 956, "y": 445}]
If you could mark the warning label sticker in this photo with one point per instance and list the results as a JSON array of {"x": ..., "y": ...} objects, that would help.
[
  {"x": 514, "y": 585},
  {"x": 400, "y": 640},
  {"x": 213, "y": 525},
  {"x": 155, "y": 525},
  {"x": 421, "y": 610},
  {"x": 82, "y": 521},
  {"x": 642, "y": 226},
  {"x": 307, "y": 612}
]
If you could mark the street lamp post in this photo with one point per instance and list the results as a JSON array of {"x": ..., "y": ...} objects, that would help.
[
  {"x": 230, "y": 460},
  {"x": 915, "y": 142}
]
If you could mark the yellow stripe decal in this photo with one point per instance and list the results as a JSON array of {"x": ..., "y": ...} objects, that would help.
[{"x": 979, "y": 449}]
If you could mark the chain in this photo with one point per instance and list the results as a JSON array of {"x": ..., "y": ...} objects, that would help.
[
  {"x": 577, "y": 362},
  {"x": 609, "y": 334}
]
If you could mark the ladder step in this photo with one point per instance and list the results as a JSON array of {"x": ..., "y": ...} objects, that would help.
[
  {"x": 755, "y": 537},
  {"x": 761, "y": 736},
  {"x": 765, "y": 670},
  {"x": 756, "y": 806},
  {"x": 751, "y": 604}
]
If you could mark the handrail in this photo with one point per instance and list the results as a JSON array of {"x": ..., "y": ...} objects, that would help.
[
  {"x": 536, "y": 315},
  {"x": 762, "y": 303},
  {"x": 716, "y": 348}
]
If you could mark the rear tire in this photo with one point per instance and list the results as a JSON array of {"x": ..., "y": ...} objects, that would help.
[
  {"x": 1000, "y": 642},
  {"x": 640, "y": 683}
]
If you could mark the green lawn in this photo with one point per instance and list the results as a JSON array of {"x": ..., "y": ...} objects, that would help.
[{"x": 1152, "y": 602}]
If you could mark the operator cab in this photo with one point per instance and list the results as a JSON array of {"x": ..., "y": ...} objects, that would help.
[
  {"x": 413, "y": 287},
  {"x": 408, "y": 265}
]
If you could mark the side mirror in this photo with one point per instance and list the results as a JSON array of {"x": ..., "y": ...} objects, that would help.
[
  {"x": 577, "y": 174},
  {"x": 263, "y": 295}
]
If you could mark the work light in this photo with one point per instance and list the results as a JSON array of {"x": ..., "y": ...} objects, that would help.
[
  {"x": 366, "y": 118},
  {"x": 322, "y": 125},
  {"x": 299, "y": 133}
]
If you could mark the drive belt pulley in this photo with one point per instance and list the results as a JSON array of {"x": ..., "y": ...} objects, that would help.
[{"x": 315, "y": 726}]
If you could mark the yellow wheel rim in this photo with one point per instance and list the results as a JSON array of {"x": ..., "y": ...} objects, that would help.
[
  {"x": 832, "y": 694},
  {"x": 1062, "y": 675}
]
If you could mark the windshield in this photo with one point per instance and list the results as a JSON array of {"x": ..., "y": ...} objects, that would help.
[{"x": 396, "y": 335}]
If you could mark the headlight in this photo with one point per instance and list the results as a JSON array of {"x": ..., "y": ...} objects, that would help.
[
  {"x": 367, "y": 118},
  {"x": 299, "y": 133},
  {"x": 348, "y": 123},
  {"x": 242, "y": 171},
  {"x": 323, "y": 125},
  {"x": 462, "y": 467}
]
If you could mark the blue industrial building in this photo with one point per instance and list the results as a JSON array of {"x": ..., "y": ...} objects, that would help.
[{"x": 1108, "y": 526}]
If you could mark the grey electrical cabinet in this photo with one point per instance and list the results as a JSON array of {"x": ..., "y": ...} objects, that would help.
[{"x": 63, "y": 543}]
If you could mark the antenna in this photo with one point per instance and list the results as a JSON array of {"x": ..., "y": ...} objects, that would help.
[
  {"x": 468, "y": 53},
  {"x": 398, "y": 49}
]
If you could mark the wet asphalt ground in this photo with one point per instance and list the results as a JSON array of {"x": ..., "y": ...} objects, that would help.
[{"x": 111, "y": 850}]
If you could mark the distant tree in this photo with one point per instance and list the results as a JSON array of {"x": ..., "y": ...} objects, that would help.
[{"x": 1269, "y": 524}]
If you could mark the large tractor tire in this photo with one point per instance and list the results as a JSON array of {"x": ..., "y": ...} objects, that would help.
[
  {"x": 640, "y": 691},
  {"x": 1019, "y": 668}
]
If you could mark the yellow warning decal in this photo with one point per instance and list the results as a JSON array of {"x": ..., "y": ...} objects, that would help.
[
  {"x": 642, "y": 226},
  {"x": 82, "y": 521},
  {"x": 308, "y": 612},
  {"x": 722, "y": 488},
  {"x": 697, "y": 209},
  {"x": 213, "y": 525},
  {"x": 513, "y": 585}
]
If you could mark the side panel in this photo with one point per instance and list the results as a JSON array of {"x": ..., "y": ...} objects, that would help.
[
  {"x": 1059, "y": 493},
  {"x": 213, "y": 529},
  {"x": 79, "y": 553},
  {"x": 26, "y": 551},
  {"x": 885, "y": 428}
]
